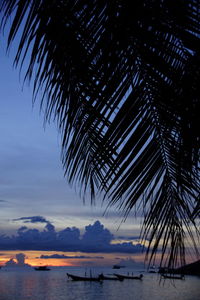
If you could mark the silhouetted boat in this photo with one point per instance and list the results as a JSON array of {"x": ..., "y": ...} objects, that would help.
[
  {"x": 129, "y": 276},
  {"x": 42, "y": 268},
  {"x": 103, "y": 277},
  {"x": 82, "y": 278},
  {"x": 153, "y": 270},
  {"x": 118, "y": 267},
  {"x": 172, "y": 276}
]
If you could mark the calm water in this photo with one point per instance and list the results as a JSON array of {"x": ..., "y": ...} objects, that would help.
[{"x": 54, "y": 285}]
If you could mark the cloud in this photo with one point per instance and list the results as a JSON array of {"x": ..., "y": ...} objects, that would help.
[
  {"x": 10, "y": 263},
  {"x": 21, "y": 229},
  {"x": 96, "y": 239},
  {"x": 50, "y": 227},
  {"x": 34, "y": 219},
  {"x": 4, "y": 202},
  {"x": 59, "y": 256},
  {"x": 70, "y": 235},
  {"x": 136, "y": 237},
  {"x": 20, "y": 261},
  {"x": 130, "y": 262},
  {"x": 97, "y": 235}
]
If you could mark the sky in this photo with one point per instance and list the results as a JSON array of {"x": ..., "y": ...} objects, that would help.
[
  {"x": 39, "y": 211},
  {"x": 41, "y": 216}
]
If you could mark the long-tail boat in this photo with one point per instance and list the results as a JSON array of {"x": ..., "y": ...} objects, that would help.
[
  {"x": 129, "y": 276},
  {"x": 104, "y": 277},
  {"x": 82, "y": 278},
  {"x": 42, "y": 268}
]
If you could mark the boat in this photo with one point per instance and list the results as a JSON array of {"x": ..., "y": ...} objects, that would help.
[
  {"x": 82, "y": 278},
  {"x": 166, "y": 276},
  {"x": 104, "y": 277},
  {"x": 42, "y": 268},
  {"x": 153, "y": 270},
  {"x": 117, "y": 267},
  {"x": 129, "y": 276}
]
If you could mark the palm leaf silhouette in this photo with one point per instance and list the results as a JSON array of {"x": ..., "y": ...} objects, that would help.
[{"x": 122, "y": 82}]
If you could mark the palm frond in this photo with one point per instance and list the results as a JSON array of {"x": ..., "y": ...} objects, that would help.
[{"x": 123, "y": 85}]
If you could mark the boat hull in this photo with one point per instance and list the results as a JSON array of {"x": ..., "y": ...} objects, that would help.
[
  {"x": 81, "y": 278},
  {"x": 128, "y": 277},
  {"x": 103, "y": 277},
  {"x": 42, "y": 269}
]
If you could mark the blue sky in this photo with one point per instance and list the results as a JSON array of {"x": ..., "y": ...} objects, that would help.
[{"x": 31, "y": 178}]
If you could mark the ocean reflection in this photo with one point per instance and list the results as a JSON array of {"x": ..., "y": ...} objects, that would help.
[{"x": 54, "y": 285}]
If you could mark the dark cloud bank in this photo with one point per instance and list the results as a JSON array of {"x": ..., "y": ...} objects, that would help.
[
  {"x": 62, "y": 256},
  {"x": 34, "y": 219},
  {"x": 95, "y": 239}
]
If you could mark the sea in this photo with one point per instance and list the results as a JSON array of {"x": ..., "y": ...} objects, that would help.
[{"x": 28, "y": 284}]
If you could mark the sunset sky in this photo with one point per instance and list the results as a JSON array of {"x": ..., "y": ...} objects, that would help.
[
  {"x": 37, "y": 204},
  {"x": 40, "y": 214}
]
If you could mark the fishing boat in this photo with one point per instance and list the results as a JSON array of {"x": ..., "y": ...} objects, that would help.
[
  {"x": 166, "y": 276},
  {"x": 104, "y": 277},
  {"x": 82, "y": 278},
  {"x": 152, "y": 269},
  {"x": 118, "y": 267},
  {"x": 42, "y": 268},
  {"x": 129, "y": 276}
]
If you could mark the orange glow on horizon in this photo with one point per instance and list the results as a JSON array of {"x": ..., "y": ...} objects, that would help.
[
  {"x": 33, "y": 258},
  {"x": 109, "y": 259}
]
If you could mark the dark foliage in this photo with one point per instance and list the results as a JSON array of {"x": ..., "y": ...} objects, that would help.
[{"x": 122, "y": 80}]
